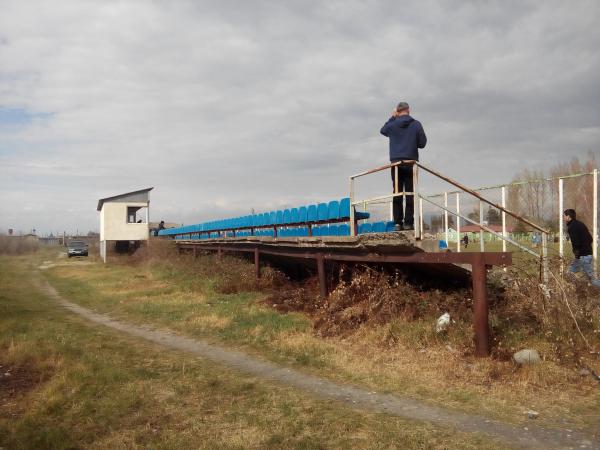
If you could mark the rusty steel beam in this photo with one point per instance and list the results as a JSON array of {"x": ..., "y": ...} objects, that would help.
[
  {"x": 480, "y": 307},
  {"x": 257, "y": 262},
  {"x": 322, "y": 275},
  {"x": 490, "y": 258}
]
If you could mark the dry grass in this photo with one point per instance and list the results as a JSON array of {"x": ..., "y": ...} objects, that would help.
[
  {"x": 376, "y": 330},
  {"x": 17, "y": 245},
  {"x": 89, "y": 387}
]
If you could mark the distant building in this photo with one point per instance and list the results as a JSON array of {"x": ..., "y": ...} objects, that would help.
[{"x": 124, "y": 222}]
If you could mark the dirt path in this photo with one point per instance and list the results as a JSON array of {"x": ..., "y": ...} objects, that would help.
[{"x": 529, "y": 437}]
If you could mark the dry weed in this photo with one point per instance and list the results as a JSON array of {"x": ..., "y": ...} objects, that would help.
[{"x": 18, "y": 245}]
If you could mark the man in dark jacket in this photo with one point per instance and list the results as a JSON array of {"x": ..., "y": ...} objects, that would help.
[
  {"x": 406, "y": 138},
  {"x": 581, "y": 241}
]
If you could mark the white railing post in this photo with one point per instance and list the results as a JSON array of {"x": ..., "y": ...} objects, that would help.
[
  {"x": 595, "y": 221},
  {"x": 481, "y": 235},
  {"x": 352, "y": 227},
  {"x": 416, "y": 220},
  {"x": 421, "y": 215},
  {"x": 545, "y": 257},
  {"x": 446, "y": 218},
  {"x": 458, "y": 222},
  {"x": 504, "y": 218},
  {"x": 560, "y": 218}
]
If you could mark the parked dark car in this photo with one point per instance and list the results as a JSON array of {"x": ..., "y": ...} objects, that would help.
[{"x": 77, "y": 248}]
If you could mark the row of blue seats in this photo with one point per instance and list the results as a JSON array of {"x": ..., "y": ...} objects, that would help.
[
  {"x": 322, "y": 212},
  {"x": 376, "y": 227},
  {"x": 321, "y": 230}
]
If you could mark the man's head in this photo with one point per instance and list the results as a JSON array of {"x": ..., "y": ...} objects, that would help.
[
  {"x": 402, "y": 109},
  {"x": 570, "y": 214}
]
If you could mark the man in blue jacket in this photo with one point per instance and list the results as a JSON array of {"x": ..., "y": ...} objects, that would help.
[{"x": 406, "y": 138}]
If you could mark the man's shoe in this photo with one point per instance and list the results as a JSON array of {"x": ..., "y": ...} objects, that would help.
[
  {"x": 408, "y": 227},
  {"x": 397, "y": 227}
]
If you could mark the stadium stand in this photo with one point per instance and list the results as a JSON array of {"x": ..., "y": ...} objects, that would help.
[{"x": 322, "y": 219}]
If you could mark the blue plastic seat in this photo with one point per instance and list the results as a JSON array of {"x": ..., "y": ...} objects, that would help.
[
  {"x": 378, "y": 227},
  {"x": 279, "y": 218},
  {"x": 302, "y": 214},
  {"x": 364, "y": 228},
  {"x": 322, "y": 211},
  {"x": 295, "y": 215},
  {"x": 359, "y": 215},
  {"x": 272, "y": 218},
  {"x": 390, "y": 226},
  {"x": 333, "y": 210},
  {"x": 333, "y": 230},
  {"x": 345, "y": 208},
  {"x": 311, "y": 213},
  {"x": 287, "y": 216}
]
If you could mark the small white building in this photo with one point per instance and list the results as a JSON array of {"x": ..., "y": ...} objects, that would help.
[{"x": 124, "y": 222}]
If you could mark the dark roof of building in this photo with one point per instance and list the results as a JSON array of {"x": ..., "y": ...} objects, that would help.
[{"x": 121, "y": 196}]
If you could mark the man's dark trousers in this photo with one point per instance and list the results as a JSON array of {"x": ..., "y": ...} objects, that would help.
[{"x": 405, "y": 183}]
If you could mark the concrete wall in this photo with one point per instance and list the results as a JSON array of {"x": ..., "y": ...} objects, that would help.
[{"x": 114, "y": 226}]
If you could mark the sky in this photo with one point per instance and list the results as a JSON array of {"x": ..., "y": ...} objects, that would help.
[{"x": 224, "y": 107}]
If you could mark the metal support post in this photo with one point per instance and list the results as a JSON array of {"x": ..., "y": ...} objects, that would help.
[
  {"x": 352, "y": 215},
  {"x": 560, "y": 218},
  {"x": 415, "y": 194},
  {"x": 545, "y": 258},
  {"x": 446, "y": 218},
  {"x": 504, "y": 218},
  {"x": 257, "y": 262},
  {"x": 322, "y": 275},
  {"x": 481, "y": 235},
  {"x": 480, "y": 306},
  {"x": 421, "y": 214},
  {"x": 458, "y": 222}
]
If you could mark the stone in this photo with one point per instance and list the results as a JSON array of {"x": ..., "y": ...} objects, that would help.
[
  {"x": 584, "y": 372},
  {"x": 532, "y": 414},
  {"x": 527, "y": 356},
  {"x": 442, "y": 323}
]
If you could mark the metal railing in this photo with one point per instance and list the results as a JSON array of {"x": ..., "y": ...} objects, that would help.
[
  {"x": 418, "y": 210},
  {"x": 556, "y": 183}
]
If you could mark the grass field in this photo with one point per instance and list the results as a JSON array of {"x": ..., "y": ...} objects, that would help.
[
  {"x": 66, "y": 385},
  {"x": 402, "y": 356}
]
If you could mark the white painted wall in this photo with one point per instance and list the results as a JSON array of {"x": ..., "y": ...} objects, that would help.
[{"x": 114, "y": 226}]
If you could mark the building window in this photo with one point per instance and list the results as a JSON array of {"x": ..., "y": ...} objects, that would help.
[{"x": 136, "y": 214}]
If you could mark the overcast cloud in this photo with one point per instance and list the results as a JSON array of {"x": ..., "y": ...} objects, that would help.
[{"x": 231, "y": 105}]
